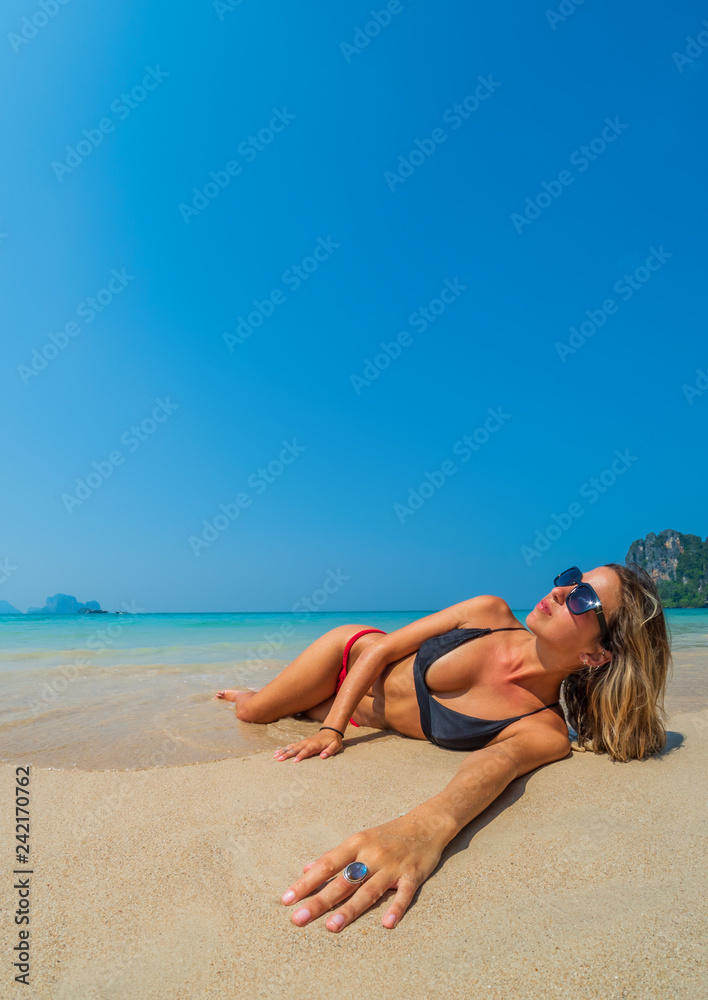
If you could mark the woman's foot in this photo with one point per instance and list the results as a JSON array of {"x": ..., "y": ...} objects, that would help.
[
  {"x": 226, "y": 695},
  {"x": 236, "y": 695}
]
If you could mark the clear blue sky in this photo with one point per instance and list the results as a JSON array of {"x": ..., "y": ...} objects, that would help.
[{"x": 172, "y": 270}]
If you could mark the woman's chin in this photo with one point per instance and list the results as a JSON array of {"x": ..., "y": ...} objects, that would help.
[{"x": 535, "y": 621}]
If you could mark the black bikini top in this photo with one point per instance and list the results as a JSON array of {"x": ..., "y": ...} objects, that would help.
[{"x": 443, "y": 726}]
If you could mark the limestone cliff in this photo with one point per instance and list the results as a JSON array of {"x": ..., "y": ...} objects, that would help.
[{"x": 679, "y": 565}]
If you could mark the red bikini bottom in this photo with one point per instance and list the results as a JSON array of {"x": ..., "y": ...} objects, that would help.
[{"x": 345, "y": 660}]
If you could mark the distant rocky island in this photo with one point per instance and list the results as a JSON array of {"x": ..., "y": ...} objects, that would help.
[
  {"x": 679, "y": 565},
  {"x": 60, "y": 604}
]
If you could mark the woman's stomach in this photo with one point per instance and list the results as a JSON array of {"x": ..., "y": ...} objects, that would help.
[{"x": 391, "y": 701}]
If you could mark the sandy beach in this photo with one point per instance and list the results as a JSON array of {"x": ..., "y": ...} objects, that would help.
[{"x": 585, "y": 879}]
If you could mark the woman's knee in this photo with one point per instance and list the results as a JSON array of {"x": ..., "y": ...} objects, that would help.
[{"x": 247, "y": 711}]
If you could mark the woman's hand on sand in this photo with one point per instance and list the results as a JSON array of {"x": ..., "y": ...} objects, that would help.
[
  {"x": 325, "y": 743},
  {"x": 400, "y": 855}
]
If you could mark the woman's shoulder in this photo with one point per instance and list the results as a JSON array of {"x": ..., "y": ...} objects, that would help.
[{"x": 488, "y": 611}]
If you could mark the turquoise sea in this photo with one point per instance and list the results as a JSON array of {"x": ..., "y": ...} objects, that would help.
[{"x": 135, "y": 690}]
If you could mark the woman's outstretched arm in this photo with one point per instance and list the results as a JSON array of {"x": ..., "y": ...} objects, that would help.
[{"x": 401, "y": 854}]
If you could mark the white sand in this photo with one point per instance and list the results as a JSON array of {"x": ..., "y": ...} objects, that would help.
[{"x": 585, "y": 879}]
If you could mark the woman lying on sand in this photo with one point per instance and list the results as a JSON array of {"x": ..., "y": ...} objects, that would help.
[{"x": 598, "y": 638}]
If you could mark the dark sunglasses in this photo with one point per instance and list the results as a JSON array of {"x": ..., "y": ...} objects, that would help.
[{"x": 582, "y": 598}]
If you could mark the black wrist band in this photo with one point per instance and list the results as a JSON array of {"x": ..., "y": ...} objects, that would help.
[{"x": 333, "y": 730}]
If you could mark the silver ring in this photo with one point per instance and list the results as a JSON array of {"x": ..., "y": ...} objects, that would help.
[{"x": 355, "y": 872}]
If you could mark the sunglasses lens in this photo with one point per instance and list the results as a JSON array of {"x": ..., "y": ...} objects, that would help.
[
  {"x": 581, "y": 600},
  {"x": 572, "y": 575}
]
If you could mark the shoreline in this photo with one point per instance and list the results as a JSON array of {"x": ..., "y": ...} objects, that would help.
[{"x": 175, "y": 723}]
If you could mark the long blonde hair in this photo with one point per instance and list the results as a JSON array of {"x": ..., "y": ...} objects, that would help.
[{"x": 618, "y": 708}]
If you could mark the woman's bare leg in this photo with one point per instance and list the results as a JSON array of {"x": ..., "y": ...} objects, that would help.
[
  {"x": 320, "y": 712},
  {"x": 305, "y": 683}
]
